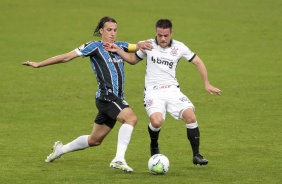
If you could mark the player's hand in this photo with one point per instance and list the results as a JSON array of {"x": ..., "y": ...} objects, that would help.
[
  {"x": 110, "y": 47},
  {"x": 211, "y": 89},
  {"x": 29, "y": 63},
  {"x": 144, "y": 45}
]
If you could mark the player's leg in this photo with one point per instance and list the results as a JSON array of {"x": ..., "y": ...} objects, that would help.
[
  {"x": 99, "y": 132},
  {"x": 128, "y": 119},
  {"x": 193, "y": 135},
  {"x": 154, "y": 129},
  {"x": 154, "y": 103},
  {"x": 180, "y": 107},
  {"x": 118, "y": 109}
]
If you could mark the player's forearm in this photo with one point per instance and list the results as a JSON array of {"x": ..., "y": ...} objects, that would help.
[
  {"x": 130, "y": 58},
  {"x": 58, "y": 59},
  {"x": 203, "y": 72},
  {"x": 51, "y": 61},
  {"x": 201, "y": 68}
]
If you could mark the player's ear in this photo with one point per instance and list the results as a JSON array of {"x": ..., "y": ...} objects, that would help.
[{"x": 101, "y": 31}]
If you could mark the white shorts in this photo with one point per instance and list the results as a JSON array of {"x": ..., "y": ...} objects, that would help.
[{"x": 166, "y": 99}]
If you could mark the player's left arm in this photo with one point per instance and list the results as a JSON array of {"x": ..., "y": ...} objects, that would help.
[
  {"x": 142, "y": 45},
  {"x": 128, "y": 57},
  {"x": 204, "y": 74}
]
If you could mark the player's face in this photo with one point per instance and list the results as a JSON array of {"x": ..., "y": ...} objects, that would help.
[
  {"x": 109, "y": 32},
  {"x": 163, "y": 36}
]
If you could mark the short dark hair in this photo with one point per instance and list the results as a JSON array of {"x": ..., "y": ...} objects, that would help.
[
  {"x": 101, "y": 24},
  {"x": 164, "y": 24}
]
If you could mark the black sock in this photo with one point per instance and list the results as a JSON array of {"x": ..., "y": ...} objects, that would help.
[
  {"x": 154, "y": 136},
  {"x": 193, "y": 136}
]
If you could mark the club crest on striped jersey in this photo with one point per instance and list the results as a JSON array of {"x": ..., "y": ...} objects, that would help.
[
  {"x": 124, "y": 102},
  {"x": 83, "y": 46}
]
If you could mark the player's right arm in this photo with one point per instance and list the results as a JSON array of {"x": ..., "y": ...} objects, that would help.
[{"x": 53, "y": 60}]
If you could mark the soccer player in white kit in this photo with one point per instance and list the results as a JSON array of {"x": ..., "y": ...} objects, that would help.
[{"x": 162, "y": 92}]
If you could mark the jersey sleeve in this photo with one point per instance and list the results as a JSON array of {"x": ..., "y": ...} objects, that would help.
[
  {"x": 187, "y": 53},
  {"x": 86, "y": 49},
  {"x": 140, "y": 54}
]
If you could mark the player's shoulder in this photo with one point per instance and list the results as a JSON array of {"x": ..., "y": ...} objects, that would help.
[
  {"x": 178, "y": 43},
  {"x": 121, "y": 43},
  {"x": 94, "y": 42},
  {"x": 90, "y": 44},
  {"x": 153, "y": 41}
]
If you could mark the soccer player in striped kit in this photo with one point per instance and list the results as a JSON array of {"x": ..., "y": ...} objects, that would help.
[
  {"x": 108, "y": 68},
  {"x": 162, "y": 91}
]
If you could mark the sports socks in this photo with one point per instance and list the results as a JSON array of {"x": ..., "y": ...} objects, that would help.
[
  {"x": 193, "y": 135},
  {"x": 154, "y": 135},
  {"x": 78, "y": 144},
  {"x": 124, "y": 136}
]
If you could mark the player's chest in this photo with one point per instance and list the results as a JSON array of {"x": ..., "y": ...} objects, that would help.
[
  {"x": 170, "y": 53},
  {"x": 162, "y": 58}
]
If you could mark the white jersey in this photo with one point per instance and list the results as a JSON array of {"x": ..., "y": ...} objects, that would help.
[{"x": 162, "y": 62}]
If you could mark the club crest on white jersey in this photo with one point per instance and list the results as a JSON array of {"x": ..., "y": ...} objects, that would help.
[{"x": 173, "y": 51}]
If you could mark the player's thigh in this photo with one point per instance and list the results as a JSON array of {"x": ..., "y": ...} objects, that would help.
[
  {"x": 177, "y": 104},
  {"x": 117, "y": 109},
  {"x": 155, "y": 103}
]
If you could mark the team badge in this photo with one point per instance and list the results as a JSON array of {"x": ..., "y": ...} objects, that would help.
[
  {"x": 184, "y": 99},
  {"x": 149, "y": 102},
  {"x": 173, "y": 51},
  {"x": 124, "y": 102},
  {"x": 83, "y": 46}
]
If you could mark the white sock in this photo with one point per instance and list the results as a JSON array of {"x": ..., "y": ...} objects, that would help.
[
  {"x": 153, "y": 128},
  {"x": 192, "y": 125},
  {"x": 124, "y": 136},
  {"x": 78, "y": 144}
]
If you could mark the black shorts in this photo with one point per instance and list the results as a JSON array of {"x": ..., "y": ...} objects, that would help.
[{"x": 109, "y": 106}]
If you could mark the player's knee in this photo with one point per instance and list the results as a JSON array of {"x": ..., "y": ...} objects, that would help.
[
  {"x": 132, "y": 120},
  {"x": 156, "y": 123},
  {"x": 190, "y": 119},
  {"x": 188, "y": 116}
]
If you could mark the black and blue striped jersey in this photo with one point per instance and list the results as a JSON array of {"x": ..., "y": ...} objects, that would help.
[{"x": 108, "y": 67}]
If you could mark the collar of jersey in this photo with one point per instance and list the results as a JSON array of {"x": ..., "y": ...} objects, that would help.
[{"x": 169, "y": 45}]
